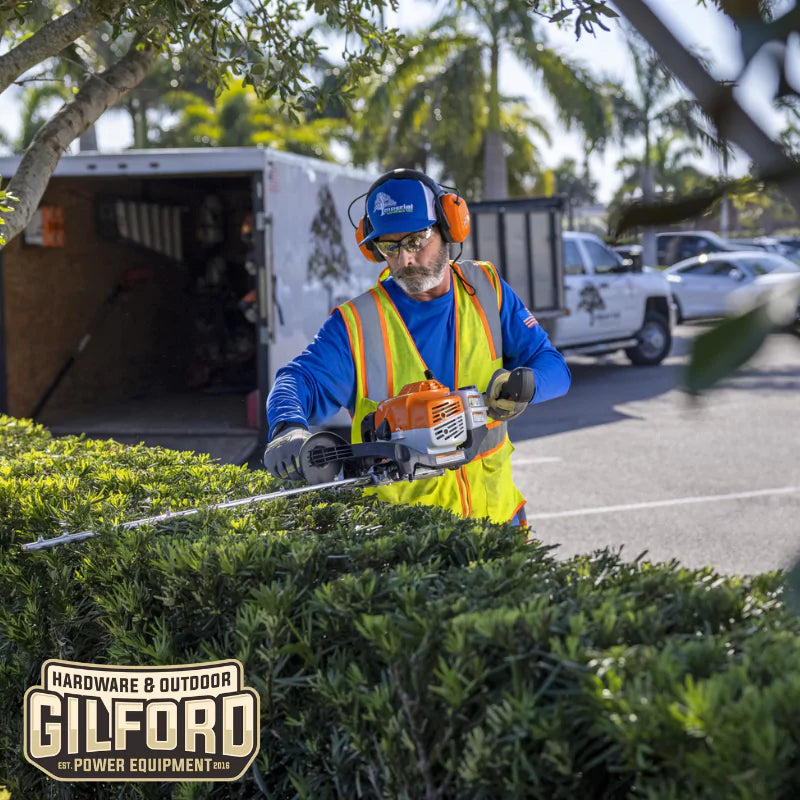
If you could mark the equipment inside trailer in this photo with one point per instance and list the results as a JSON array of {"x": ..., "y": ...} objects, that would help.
[{"x": 141, "y": 326}]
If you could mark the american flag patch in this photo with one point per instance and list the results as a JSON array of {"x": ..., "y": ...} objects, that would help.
[{"x": 529, "y": 320}]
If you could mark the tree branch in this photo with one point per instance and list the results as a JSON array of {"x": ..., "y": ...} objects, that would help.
[
  {"x": 53, "y": 38},
  {"x": 99, "y": 93},
  {"x": 717, "y": 101}
]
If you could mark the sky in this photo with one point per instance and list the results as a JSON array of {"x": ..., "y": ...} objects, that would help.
[{"x": 703, "y": 29}]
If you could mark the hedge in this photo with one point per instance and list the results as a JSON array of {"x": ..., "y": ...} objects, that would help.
[{"x": 398, "y": 652}]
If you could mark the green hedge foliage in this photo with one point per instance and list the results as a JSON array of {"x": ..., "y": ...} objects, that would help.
[{"x": 398, "y": 652}]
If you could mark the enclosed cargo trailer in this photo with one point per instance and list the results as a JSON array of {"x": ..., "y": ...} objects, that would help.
[{"x": 156, "y": 292}]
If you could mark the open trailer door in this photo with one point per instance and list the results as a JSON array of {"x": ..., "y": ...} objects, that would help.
[{"x": 143, "y": 319}]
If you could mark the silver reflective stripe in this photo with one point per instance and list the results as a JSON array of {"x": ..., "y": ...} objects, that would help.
[
  {"x": 494, "y": 438},
  {"x": 487, "y": 297},
  {"x": 374, "y": 354}
]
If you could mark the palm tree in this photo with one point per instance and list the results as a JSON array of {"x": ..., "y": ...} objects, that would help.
[
  {"x": 97, "y": 50},
  {"x": 442, "y": 103},
  {"x": 655, "y": 113},
  {"x": 673, "y": 174},
  {"x": 577, "y": 187},
  {"x": 238, "y": 118}
]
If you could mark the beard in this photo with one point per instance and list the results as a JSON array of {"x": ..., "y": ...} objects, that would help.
[{"x": 416, "y": 279}]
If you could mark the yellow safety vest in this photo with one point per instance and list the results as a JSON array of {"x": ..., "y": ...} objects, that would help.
[{"x": 386, "y": 359}]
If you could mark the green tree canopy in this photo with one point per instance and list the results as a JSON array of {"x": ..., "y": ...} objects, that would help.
[{"x": 270, "y": 46}]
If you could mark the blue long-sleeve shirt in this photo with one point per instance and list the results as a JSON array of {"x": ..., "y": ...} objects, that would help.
[{"x": 314, "y": 386}]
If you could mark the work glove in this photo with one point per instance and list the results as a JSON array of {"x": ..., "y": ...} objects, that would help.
[
  {"x": 282, "y": 456},
  {"x": 509, "y": 393}
]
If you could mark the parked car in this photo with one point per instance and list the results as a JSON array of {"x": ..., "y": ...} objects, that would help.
[
  {"x": 631, "y": 255},
  {"x": 791, "y": 245},
  {"x": 768, "y": 243},
  {"x": 701, "y": 285},
  {"x": 675, "y": 246},
  {"x": 786, "y": 314}
]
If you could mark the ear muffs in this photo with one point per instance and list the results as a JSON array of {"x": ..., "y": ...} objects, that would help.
[
  {"x": 452, "y": 214},
  {"x": 454, "y": 210},
  {"x": 367, "y": 250}
]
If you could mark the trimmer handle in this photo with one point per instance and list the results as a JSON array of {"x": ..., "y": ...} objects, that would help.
[{"x": 520, "y": 386}]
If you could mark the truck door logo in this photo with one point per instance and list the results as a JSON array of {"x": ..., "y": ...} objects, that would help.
[{"x": 591, "y": 301}]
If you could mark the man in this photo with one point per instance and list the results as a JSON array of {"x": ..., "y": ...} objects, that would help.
[{"x": 461, "y": 321}]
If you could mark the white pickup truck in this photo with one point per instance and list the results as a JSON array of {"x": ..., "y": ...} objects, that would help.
[
  {"x": 609, "y": 306},
  {"x": 583, "y": 294}
]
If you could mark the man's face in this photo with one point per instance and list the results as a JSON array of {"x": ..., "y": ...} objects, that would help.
[{"x": 421, "y": 272}]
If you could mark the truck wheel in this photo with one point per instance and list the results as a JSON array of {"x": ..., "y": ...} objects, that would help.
[{"x": 655, "y": 340}]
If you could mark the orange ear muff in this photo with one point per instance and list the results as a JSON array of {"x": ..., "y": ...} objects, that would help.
[
  {"x": 366, "y": 250},
  {"x": 456, "y": 213}
]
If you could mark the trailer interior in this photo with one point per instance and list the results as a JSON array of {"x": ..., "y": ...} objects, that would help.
[{"x": 129, "y": 311}]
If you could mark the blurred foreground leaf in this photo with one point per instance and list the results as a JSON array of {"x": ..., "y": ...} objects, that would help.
[{"x": 721, "y": 350}]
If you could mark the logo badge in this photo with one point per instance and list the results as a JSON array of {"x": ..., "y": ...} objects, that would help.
[
  {"x": 194, "y": 722},
  {"x": 383, "y": 202},
  {"x": 386, "y": 204}
]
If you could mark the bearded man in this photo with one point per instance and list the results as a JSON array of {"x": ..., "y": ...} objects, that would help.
[{"x": 459, "y": 321}]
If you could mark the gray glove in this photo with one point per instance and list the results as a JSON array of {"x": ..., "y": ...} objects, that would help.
[
  {"x": 282, "y": 456},
  {"x": 509, "y": 393}
]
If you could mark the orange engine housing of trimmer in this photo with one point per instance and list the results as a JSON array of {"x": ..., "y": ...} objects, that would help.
[{"x": 427, "y": 407}]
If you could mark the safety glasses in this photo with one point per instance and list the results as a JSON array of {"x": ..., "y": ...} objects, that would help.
[{"x": 412, "y": 243}]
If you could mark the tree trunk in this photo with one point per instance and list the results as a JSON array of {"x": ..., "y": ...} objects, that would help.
[
  {"x": 649, "y": 254},
  {"x": 724, "y": 216},
  {"x": 724, "y": 223},
  {"x": 38, "y": 163},
  {"x": 495, "y": 173},
  {"x": 733, "y": 122},
  {"x": 140, "y": 138},
  {"x": 53, "y": 38},
  {"x": 495, "y": 181}
]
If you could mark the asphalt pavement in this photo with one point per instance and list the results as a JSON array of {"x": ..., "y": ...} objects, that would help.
[{"x": 628, "y": 460}]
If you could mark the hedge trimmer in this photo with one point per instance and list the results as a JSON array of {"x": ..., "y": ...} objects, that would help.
[{"x": 419, "y": 433}]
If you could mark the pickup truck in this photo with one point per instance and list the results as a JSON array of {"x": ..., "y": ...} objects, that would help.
[
  {"x": 609, "y": 306},
  {"x": 581, "y": 292}
]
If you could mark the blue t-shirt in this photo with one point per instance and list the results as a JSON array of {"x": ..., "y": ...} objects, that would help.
[{"x": 311, "y": 388}]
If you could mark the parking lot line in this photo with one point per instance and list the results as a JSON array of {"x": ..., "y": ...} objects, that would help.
[
  {"x": 524, "y": 462},
  {"x": 677, "y": 501}
]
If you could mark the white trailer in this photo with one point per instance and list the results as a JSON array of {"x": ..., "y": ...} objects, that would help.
[{"x": 157, "y": 291}]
